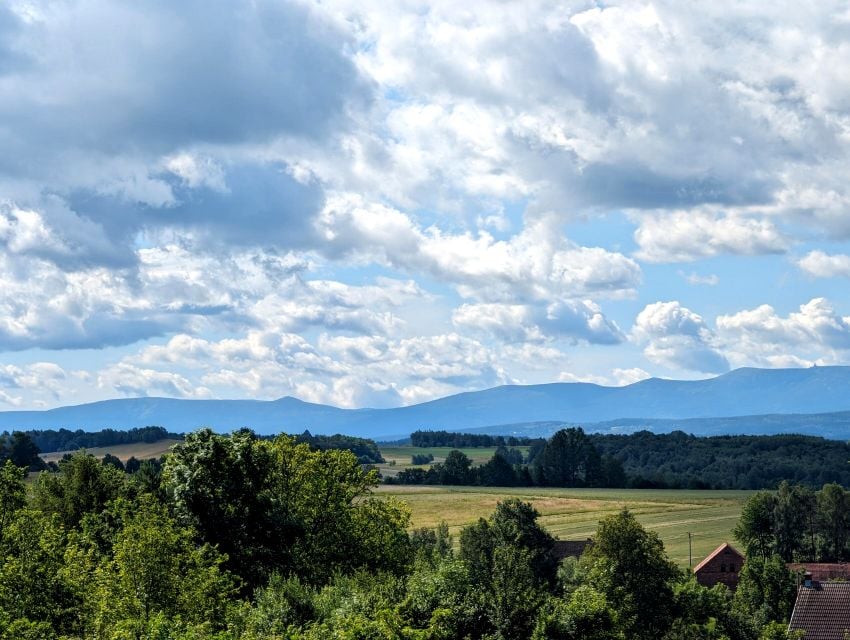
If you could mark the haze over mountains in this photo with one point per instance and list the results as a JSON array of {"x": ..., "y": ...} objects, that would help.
[{"x": 741, "y": 401}]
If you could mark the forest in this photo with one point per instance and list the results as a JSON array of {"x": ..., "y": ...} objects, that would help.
[
  {"x": 236, "y": 537},
  {"x": 572, "y": 458}
]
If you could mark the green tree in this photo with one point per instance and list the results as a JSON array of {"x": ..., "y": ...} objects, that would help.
[
  {"x": 497, "y": 472},
  {"x": 766, "y": 590},
  {"x": 83, "y": 486},
  {"x": 13, "y": 493},
  {"x": 514, "y": 523},
  {"x": 157, "y": 573},
  {"x": 789, "y": 519},
  {"x": 629, "y": 566},
  {"x": 569, "y": 459},
  {"x": 456, "y": 469},
  {"x": 113, "y": 461},
  {"x": 833, "y": 517},
  {"x": 31, "y": 583},
  {"x": 277, "y": 506},
  {"x": 584, "y": 616},
  {"x": 22, "y": 451},
  {"x": 755, "y": 528},
  {"x": 516, "y": 594}
]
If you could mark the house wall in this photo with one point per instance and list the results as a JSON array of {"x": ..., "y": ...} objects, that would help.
[{"x": 723, "y": 568}]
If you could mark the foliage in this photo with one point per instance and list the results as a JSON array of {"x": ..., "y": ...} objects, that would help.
[
  {"x": 680, "y": 461},
  {"x": 366, "y": 450},
  {"x": 422, "y": 458},
  {"x": 628, "y": 565},
  {"x": 766, "y": 590},
  {"x": 464, "y": 440},
  {"x": 83, "y": 485},
  {"x": 277, "y": 506},
  {"x": 243, "y": 538},
  {"x": 21, "y": 450},
  {"x": 797, "y": 524}
]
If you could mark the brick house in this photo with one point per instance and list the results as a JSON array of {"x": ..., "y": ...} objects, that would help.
[{"x": 720, "y": 566}]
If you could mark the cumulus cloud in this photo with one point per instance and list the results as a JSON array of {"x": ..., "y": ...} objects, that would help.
[
  {"x": 676, "y": 337},
  {"x": 134, "y": 381},
  {"x": 684, "y": 236},
  {"x": 307, "y": 197},
  {"x": 575, "y": 321},
  {"x": 823, "y": 265},
  {"x": 536, "y": 263},
  {"x": 815, "y": 333}
]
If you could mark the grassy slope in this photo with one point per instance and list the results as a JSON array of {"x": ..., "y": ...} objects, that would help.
[
  {"x": 140, "y": 450},
  {"x": 572, "y": 514}
]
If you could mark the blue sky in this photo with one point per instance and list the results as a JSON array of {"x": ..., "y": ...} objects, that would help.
[{"x": 375, "y": 204}]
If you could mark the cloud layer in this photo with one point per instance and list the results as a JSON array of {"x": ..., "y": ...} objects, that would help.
[{"x": 371, "y": 203}]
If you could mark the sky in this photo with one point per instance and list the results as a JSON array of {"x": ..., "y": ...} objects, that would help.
[{"x": 371, "y": 203}]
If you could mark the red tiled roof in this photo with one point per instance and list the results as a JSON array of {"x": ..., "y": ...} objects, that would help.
[
  {"x": 723, "y": 547},
  {"x": 823, "y": 571},
  {"x": 822, "y": 611}
]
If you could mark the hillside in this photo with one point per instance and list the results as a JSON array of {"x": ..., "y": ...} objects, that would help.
[{"x": 743, "y": 392}]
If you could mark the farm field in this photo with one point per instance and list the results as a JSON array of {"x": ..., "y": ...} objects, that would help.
[
  {"x": 572, "y": 514},
  {"x": 140, "y": 450},
  {"x": 402, "y": 456}
]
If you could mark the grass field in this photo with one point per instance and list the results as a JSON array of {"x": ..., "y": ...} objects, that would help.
[
  {"x": 402, "y": 456},
  {"x": 140, "y": 450},
  {"x": 573, "y": 514}
]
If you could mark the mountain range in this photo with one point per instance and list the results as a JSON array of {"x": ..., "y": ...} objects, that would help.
[{"x": 745, "y": 400}]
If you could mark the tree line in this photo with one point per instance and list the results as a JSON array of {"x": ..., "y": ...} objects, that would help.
[
  {"x": 797, "y": 524},
  {"x": 242, "y": 538},
  {"x": 567, "y": 459},
  {"x": 679, "y": 460},
  {"x": 427, "y": 438},
  {"x": 647, "y": 460},
  {"x": 366, "y": 450},
  {"x": 67, "y": 440}
]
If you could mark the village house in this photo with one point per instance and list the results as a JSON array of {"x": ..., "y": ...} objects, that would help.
[
  {"x": 721, "y": 566},
  {"x": 822, "y": 571},
  {"x": 822, "y": 610}
]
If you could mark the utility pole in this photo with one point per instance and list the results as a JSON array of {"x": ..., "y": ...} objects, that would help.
[{"x": 690, "y": 552}]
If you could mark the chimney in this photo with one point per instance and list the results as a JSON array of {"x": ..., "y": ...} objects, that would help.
[{"x": 807, "y": 580}]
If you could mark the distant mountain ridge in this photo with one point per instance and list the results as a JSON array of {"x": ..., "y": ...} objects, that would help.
[{"x": 742, "y": 392}]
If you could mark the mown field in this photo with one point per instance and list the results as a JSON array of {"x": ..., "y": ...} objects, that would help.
[
  {"x": 140, "y": 450},
  {"x": 572, "y": 514}
]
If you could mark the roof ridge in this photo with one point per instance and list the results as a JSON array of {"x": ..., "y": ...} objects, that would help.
[{"x": 715, "y": 553}]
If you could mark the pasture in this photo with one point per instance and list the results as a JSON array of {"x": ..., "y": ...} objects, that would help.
[
  {"x": 573, "y": 514},
  {"x": 140, "y": 450}
]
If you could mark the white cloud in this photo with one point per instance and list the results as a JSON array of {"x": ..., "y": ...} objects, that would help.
[
  {"x": 573, "y": 320},
  {"x": 538, "y": 263},
  {"x": 761, "y": 337},
  {"x": 822, "y": 265},
  {"x": 133, "y": 381},
  {"x": 695, "y": 279},
  {"x": 684, "y": 236},
  {"x": 676, "y": 337}
]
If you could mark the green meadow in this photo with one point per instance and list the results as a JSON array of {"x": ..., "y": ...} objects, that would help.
[
  {"x": 398, "y": 458},
  {"x": 572, "y": 514}
]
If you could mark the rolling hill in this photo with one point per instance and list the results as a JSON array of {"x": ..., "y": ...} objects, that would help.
[{"x": 743, "y": 392}]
